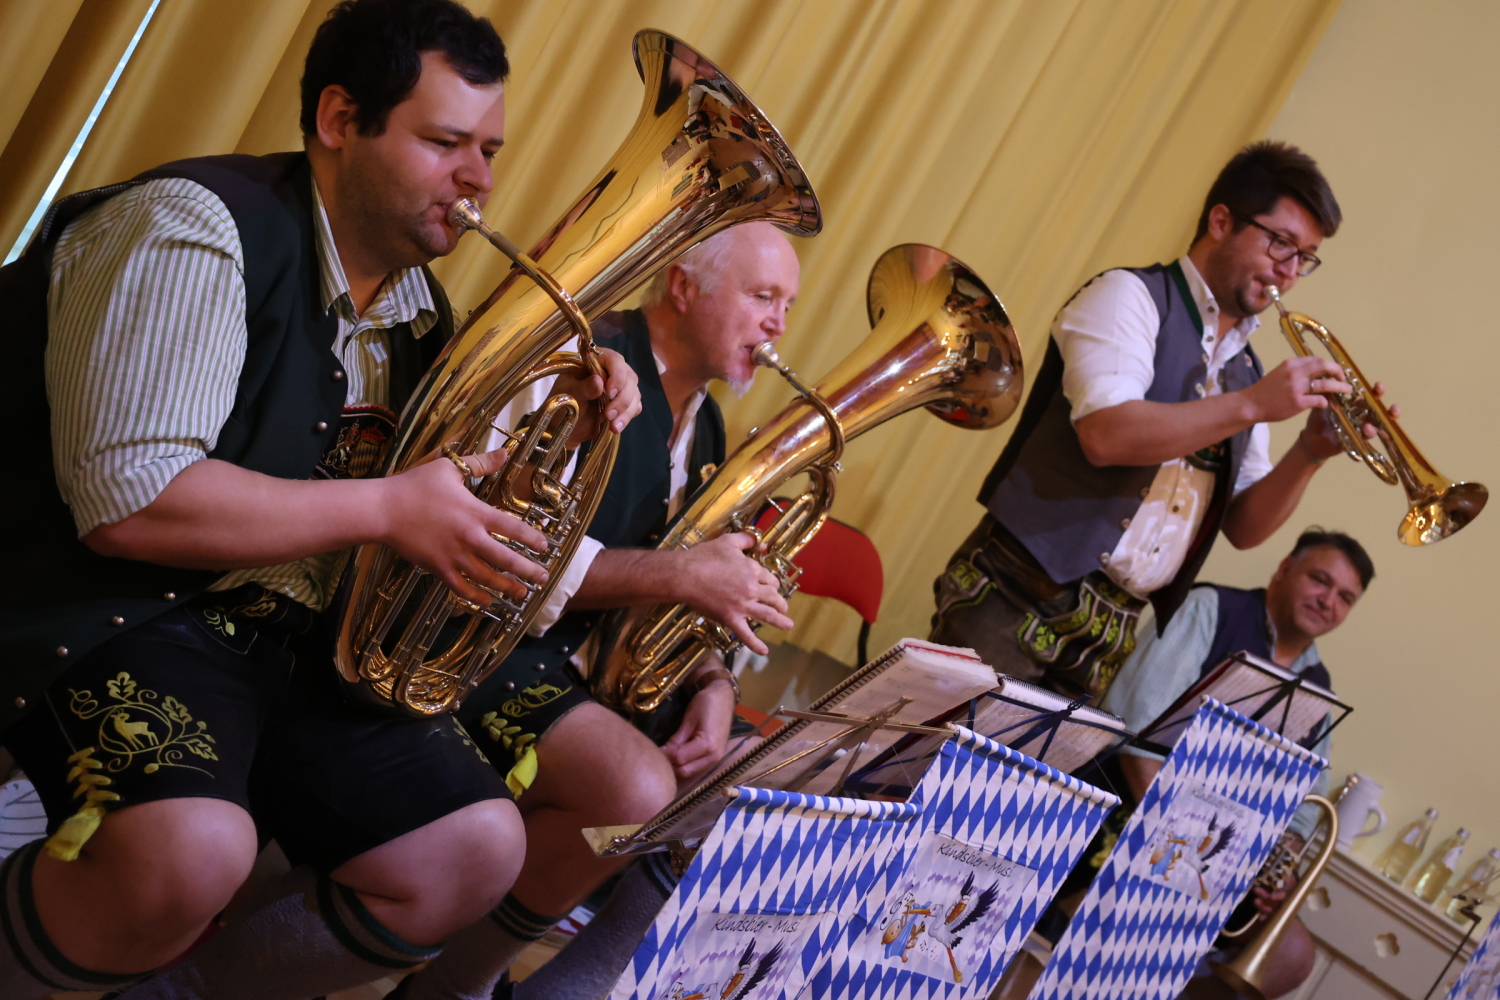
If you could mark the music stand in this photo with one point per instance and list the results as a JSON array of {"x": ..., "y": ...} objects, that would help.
[{"x": 1264, "y": 692}]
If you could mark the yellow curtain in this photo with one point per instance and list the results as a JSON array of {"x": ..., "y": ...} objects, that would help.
[
  {"x": 1038, "y": 140},
  {"x": 55, "y": 57}
]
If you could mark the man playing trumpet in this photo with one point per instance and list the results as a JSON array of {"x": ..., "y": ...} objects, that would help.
[{"x": 1145, "y": 435}]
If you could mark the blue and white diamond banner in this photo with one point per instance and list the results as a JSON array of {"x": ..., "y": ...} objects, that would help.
[
  {"x": 1480, "y": 979},
  {"x": 998, "y": 832},
  {"x": 774, "y": 880},
  {"x": 1183, "y": 861}
]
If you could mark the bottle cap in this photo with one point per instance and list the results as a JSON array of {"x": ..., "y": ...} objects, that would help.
[
  {"x": 1495, "y": 853},
  {"x": 1463, "y": 834},
  {"x": 1432, "y": 814}
]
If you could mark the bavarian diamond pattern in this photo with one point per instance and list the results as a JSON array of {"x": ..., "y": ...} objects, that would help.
[
  {"x": 981, "y": 793},
  {"x": 1480, "y": 979},
  {"x": 774, "y": 852},
  {"x": 1132, "y": 938}
]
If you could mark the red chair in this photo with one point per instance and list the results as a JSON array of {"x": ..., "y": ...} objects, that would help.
[{"x": 842, "y": 563}]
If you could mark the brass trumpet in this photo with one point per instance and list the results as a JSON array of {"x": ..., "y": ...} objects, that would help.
[
  {"x": 1246, "y": 972},
  {"x": 701, "y": 157},
  {"x": 941, "y": 339},
  {"x": 1438, "y": 506}
]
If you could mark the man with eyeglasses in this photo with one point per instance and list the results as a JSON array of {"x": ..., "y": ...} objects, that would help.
[{"x": 1145, "y": 435}]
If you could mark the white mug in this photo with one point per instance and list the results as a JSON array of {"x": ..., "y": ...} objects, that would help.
[{"x": 1359, "y": 800}]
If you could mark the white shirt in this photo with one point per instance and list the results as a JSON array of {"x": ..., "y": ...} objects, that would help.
[
  {"x": 1107, "y": 336},
  {"x": 681, "y": 447}
]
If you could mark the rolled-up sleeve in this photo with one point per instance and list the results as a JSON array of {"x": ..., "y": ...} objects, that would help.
[
  {"x": 1107, "y": 336},
  {"x": 146, "y": 340},
  {"x": 1257, "y": 463}
]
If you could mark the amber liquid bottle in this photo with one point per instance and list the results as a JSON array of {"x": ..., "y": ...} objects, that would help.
[
  {"x": 1435, "y": 874},
  {"x": 1396, "y": 861}
]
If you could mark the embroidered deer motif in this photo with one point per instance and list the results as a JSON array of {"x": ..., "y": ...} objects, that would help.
[{"x": 131, "y": 732}]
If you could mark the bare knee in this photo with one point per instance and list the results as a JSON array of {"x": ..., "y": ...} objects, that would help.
[
  {"x": 147, "y": 882},
  {"x": 595, "y": 765},
  {"x": 426, "y": 885},
  {"x": 1296, "y": 955}
]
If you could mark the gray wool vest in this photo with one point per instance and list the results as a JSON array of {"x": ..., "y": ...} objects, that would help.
[{"x": 1069, "y": 513}]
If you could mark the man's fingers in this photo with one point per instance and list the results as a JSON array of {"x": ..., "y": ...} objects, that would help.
[
  {"x": 741, "y": 628},
  {"x": 504, "y": 559},
  {"x": 509, "y": 526},
  {"x": 486, "y": 464},
  {"x": 776, "y": 619},
  {"x": 741, "y": 540}
]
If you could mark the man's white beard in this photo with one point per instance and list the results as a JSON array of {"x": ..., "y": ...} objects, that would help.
[{"x": 740, "y": 386}]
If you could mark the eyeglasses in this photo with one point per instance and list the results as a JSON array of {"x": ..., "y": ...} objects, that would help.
[{"x": 1281, "y": 249}]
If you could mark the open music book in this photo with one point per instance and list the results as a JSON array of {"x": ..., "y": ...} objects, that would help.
[
  {"x": 1039, "y": 723},
  {"x": 912, "y": 682},
  {"x": 1269, "y": 694}
]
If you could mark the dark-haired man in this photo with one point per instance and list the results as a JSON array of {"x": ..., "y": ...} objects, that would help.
[
  {"x": 222, "y": 347},
  {"x": 1145, "y": 435},
  {"x": 1311, "y": 593}
]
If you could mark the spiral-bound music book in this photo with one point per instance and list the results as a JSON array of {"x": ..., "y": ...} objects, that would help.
[{"x": 911, "y": 683}]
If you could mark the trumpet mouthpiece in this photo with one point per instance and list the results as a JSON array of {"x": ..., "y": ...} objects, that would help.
[
  {"x": 464, "y": 214},
  {"x": 765, "y": 355}
]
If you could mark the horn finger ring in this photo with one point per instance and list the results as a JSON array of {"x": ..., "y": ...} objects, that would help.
[{"x": 452, "y": 455}]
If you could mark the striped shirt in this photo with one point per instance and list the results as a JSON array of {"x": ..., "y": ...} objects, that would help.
[{"x": 146, "y": 340}]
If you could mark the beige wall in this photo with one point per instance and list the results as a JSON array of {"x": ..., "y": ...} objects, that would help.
[{"x": 1400, "y": 103}]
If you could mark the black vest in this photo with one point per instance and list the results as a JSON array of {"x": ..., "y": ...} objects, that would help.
[
  {"x": 1070, "y": 513},
  {"x": 1243, "y": 627},
  {"x": 631, "y": 514},
  {"x": 59, "y": 598}
]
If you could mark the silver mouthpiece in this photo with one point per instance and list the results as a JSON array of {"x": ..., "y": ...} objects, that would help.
[
  {"x": 464, "y": 214},
  {"x": 765, "y": 355}
]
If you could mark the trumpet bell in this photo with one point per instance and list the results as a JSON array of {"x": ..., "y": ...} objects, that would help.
[{"x": 1451, "y": 510}]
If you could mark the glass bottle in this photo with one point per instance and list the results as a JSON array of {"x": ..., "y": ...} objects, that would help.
[
  {"x": 1473, "y": 882},
  {"x": 1438, "y": 869},
  {"x": 1396, "y": 861}
]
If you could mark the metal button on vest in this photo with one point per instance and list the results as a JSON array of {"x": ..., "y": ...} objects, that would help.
[
  {"x": 1104, "y": 559},
  {"x": 565, "y": 650},
  {"x": 62, "y": 651},
  {"x": 1125, "y": 523},
  {"x": 20, "y": 702},
  {"x": 1145, "y": 492},
  {"x": 337, "y": 376},
  {"x": 1205, "y": 359},
  {"x": 117, "y": 621},
  {"x": 169, "y": 596},
  {"x": 1198, "y": 388},
  {"x": 510, "y": 685},
  {"x": 1248, "y": 362},
  {"x": 320, "y": 427},
  {"x": 539, "y": 667}
]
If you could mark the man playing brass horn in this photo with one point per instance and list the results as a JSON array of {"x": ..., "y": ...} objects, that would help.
[
  {"x": 1311, "y": 593},
  {"x": 227, "y": 343},
  {"x": 1145, "y": 435},
  {"x": 571, "y": 762}
]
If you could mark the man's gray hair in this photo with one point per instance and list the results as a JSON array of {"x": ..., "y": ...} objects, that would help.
[{"x": 704, "y": 263}]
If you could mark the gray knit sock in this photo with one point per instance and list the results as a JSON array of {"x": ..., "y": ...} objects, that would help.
[
  {"x": 305, "y": 936},
  {"x": 30, "y": 964},
  {"x": 477, "y": 956},
  {"x": 593, "y": 961}
]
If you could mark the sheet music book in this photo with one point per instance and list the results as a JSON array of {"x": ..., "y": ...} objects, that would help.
[
  {"x": 1039, "y": 723},
  {"x": 1264, "y": 691},
  {"x": 809, "y": 756}
]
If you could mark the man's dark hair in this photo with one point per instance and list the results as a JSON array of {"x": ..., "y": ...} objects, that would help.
[
  {"x": 1262, "y": 174},
  {"x": 373, "y": 49},
  {"x": 1352, "y": 550}
]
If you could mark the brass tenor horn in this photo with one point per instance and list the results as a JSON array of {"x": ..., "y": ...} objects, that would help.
[
  {"x": 701, "y": 157},
  {"x": 941, "y": 339},
  {"x": 1438, "y": 506},
  {"x": 1246, "y": 973}
]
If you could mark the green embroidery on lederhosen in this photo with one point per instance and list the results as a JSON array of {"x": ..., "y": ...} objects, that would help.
[
  {"x": 962, "y": 584},
  {"x": 134, "y": 723},
  {"x": 1101, "y": 627}
]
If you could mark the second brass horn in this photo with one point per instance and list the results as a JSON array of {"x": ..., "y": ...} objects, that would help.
[
  {"x": 1437, "y": 505},
  {"x": 701, "y": 157},
  {"x": 941, "y": 339}
]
